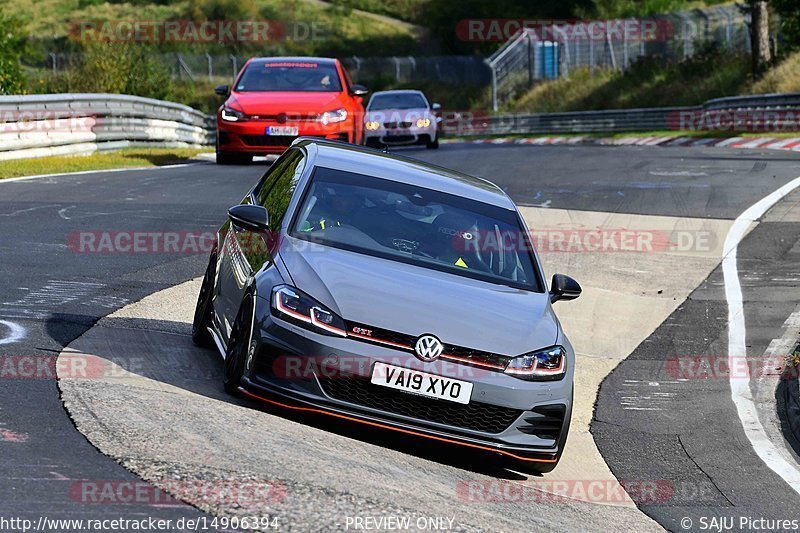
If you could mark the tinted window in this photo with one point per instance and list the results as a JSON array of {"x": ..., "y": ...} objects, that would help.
[
  {"x": 289, "y": 76},
  {"x": 279, "y": 186},
  {"x": 416, "y": 225},
  {"x": 397, "y": 101}
]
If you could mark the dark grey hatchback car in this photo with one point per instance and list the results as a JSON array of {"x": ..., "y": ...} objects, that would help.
[{"x": 386, "y": 291}]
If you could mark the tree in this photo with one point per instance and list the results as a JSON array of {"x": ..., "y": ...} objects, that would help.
[
  {"x": 759, "y": 37},
  {"x": 12, "y": 79},
  {"x": 789, "y": 16}
]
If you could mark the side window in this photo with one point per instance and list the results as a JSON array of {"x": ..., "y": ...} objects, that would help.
[{"x": 276, "y": 192}]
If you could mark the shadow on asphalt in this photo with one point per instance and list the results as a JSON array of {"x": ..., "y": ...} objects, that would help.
[{"x": 200, "y": 371}]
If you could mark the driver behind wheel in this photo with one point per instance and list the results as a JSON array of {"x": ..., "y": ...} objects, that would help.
[{"x": 333, "y": 209}]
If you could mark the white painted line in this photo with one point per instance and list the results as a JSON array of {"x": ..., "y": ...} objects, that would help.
[
  {"x": 740, "y": 386},
  {"x": 39, "y": 176},
  {"x": 15, "y": 332}
]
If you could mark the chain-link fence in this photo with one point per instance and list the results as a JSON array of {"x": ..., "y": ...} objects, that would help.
[
  {"x": 546, "y": 50},
  {"x": 453, "y": 70}
]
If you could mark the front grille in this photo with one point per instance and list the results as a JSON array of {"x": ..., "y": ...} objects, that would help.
[
  {"x": 268, "y": 140},
  {"x": 402, "y": 341},
  {"x": 393, "y": 125},
  {"x": 398, "y": 138},
  {"x": 475, "y": 415}
]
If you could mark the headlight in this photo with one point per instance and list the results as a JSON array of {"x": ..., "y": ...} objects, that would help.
[
  {"x": 331, "y": 117},
  {"x": 299, "y": 308},
  {"x": 372, "y": 125},
  {"x": 549, "y": 364},
  {"x": 231, "y": 115},
  {"x": 423, "y": 122}
]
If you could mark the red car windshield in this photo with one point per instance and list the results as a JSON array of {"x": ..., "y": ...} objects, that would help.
[{"x": 289, "y": 76}]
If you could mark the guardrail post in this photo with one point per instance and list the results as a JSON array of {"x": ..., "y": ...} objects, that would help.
[
  {"x": 233, "y": 63},
  {"x": 624, "y": 48},
  {"x": 494, "y": 86},
  {"x": 210, "y": 68}
]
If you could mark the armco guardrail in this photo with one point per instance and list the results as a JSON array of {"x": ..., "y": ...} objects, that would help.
[
  {"x": 39, "y": 125},
  {"x": 758, "y": 113},
  {"x": 73, "y": 124}
]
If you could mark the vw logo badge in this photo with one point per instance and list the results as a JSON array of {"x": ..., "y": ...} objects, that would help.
[{"x": 428, "y": 348}]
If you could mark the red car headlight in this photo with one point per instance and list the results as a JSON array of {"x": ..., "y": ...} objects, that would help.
[
  {"x": 549, "y": 364},
  {"x": 231, "y": 115},
  {"x": 299, "y": 308}
]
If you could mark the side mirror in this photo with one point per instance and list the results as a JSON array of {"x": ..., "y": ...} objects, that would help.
[
  {"x": 564, "y": 288},
  {"x": 358, "y": 90},
  {"x": 435, "y": 106},
  {"x": 250, "y": 217},
  {"x": 221, "y": 90}
]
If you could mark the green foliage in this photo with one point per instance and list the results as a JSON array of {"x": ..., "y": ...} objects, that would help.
[
  {"x": 408, "y": 10},
  {"x": 789, "y": 14},
  {"x": 609, "y": 9},
  {"x": 648, "y": 83},
  {"x": 12, "y": 44},
  {"x": 220, "y": 9},
  {"x": 443, "y": 16},
  {"x": 125, "y": 68}
]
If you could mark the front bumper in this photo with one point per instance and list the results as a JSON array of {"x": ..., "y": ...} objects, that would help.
[
  {"x": 384, "y": 136},
  {"x": 301, "y": 370},
  {"x": 250, "y": 137}
]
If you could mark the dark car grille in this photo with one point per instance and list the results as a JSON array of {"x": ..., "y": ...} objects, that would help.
[
  {"x": 544, "y": 421},
  {"x": 268, "y": 140},
  {"x": 476, "y": 416},
  {"x": 398, "y": 138},
  {"x": 393, "y": 125},
  {"x": 402, "y": 341}
]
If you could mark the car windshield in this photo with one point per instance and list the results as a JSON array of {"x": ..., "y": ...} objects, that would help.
[
  {"x": 397, "y": 101},
  {"x": 416, "y": 225},
  {"x": 289, "y": 76}
]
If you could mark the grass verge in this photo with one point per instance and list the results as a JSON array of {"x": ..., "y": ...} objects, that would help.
[{"x": 127, "y": 158}]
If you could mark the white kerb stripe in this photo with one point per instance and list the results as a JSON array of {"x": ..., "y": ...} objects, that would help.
[{"x": 740, "y": 386}]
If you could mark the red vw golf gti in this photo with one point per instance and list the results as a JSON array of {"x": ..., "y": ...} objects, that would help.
[{"x": 275, "y": 100}]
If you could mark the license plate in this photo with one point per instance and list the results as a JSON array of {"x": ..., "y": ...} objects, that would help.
[
  {"x": 422, "y": 383},
  {"x": 283, "y": 130}
]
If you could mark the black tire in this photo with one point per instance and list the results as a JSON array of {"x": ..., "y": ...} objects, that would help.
[
  {"x": 240, "y": 346},
  {"x": 203, "y": 310},
  {"x": 433, "y": 145}
]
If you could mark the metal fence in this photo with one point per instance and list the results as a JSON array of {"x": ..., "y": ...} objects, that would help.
[
  {"x": 57, "y": 124},
  {"x": 766, "y": 113},
  {"x": 543, "y": 51},
  {"x": 72, "y": 124},
  {"x": 454, "y": 70}
]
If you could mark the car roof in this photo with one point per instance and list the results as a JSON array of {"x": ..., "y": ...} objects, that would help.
[
  {"x": 394, "y": 167},
  {"x": 398, "y": 91},
  {"x": 297, "y": 59}
]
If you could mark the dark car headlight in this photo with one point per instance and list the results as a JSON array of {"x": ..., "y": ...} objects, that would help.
[
  {"x": 549, "y": 364},
  {"x": 231, "y": 115},
  {"x": 295, "y": 306}
]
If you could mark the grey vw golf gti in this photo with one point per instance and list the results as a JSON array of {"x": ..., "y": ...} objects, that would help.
[{"x": 387, "y": 291}]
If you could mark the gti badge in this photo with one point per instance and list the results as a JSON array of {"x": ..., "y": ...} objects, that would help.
[{"x": 428, "y": 348}]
